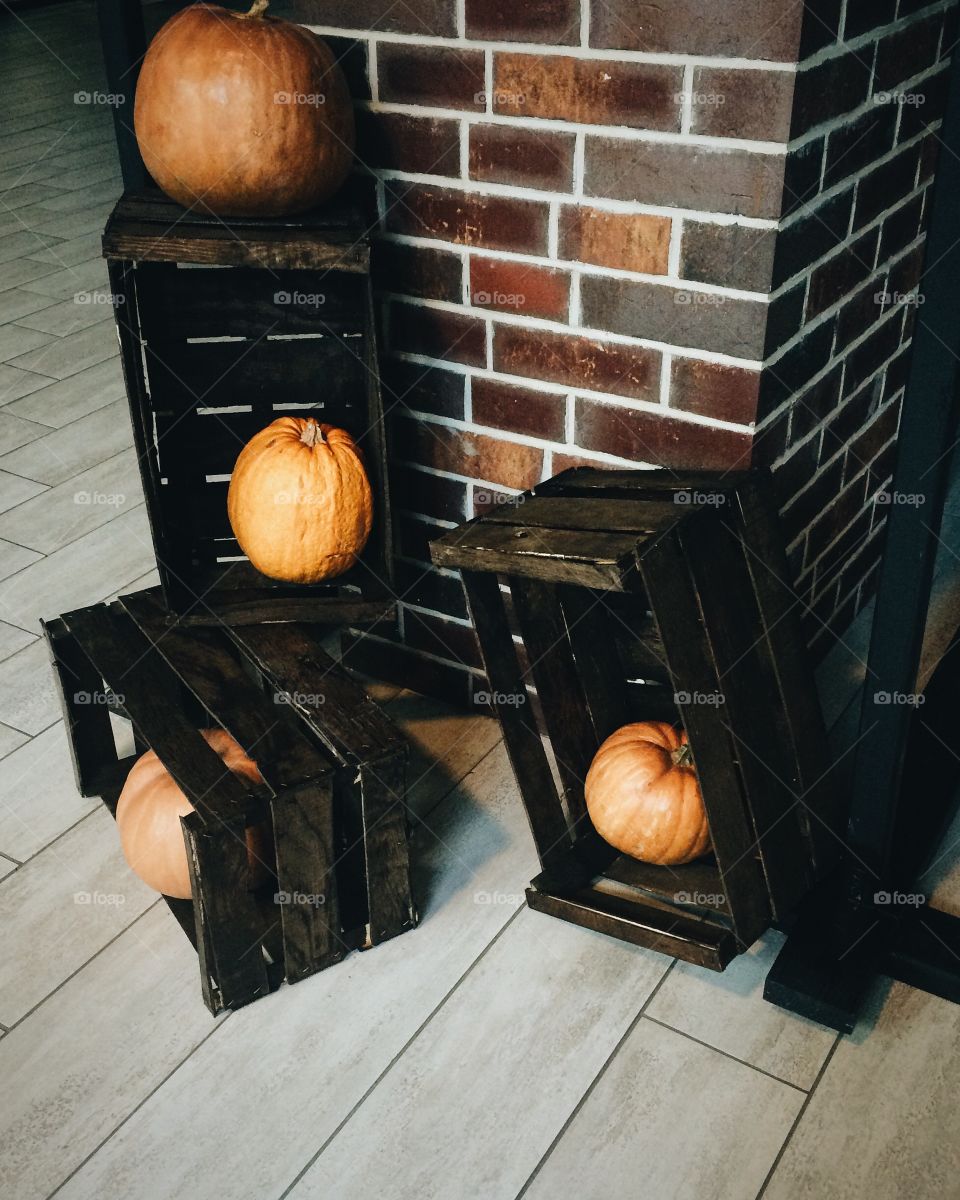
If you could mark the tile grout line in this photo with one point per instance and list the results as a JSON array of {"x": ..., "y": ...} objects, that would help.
[
  {"x": 83, "y": 966},
  {"x": 400, "y": 1053},
  {"x": 218, "y": 1024},
  {"x": 726, "y": 1054},
  {"x": 577, "y": 1108},
  {"x": 799, "y": 1117}
]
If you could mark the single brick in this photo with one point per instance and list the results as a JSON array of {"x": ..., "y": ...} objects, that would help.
[
  {"x": 476, "y": 455},
  {"x": 863, "y": 16},
  {"x": 770, "y": 442},
  {"x": 548, "y": 22},
  {"x": 759, "y": 29},
  {"x": 882, "y": 188},
  {"x": 872, "y": 353},
  {"x": 727, "y": 102},
  {"x": 519, "y": 410},
  {"x": 512, "y": 154},
  {"x": 862, "y": 310},
  {"x": 431, "y": 75},
  {"x": 923, "y": 106},
  {"x": 577, "y": 362},
  {"x": 519, "y": 287},
  {"x": 736, "y": 256},
  {"x": 433, "y": 495},
  {"x": 795, "y": 472},
  {"x": 628, "y": 241},
  {"x": 907, "y": 52},
  {"x": 811, "y": 502},
  {"x": 424, "y": 389},
  {"x": 428, "y": 18},
  {"x": 858, "y": 144},
  {"x": 785, "y": 318},
  {"x": 657, "y": 439},
  {"x": 824, "y": 92},
  {"x": 561, "y": 88},
  {"x": 418, "y": 271},
  {"x": 795, "y": 368},
  {"x": 676, "y": 316},
  {"x": 714, "y": 390},
  {"x": 438, "y": 333},
  {"x": 814, "y": 234},
  {"x": 493, "y": 222},
  {"x": 817, "y": 403},
  {"x": 398, "y": 142},
  {"x": 742, "y": 182},
  {"x": 801, "y": 176},
  {"x": 445, "y": 639},
  {"x": 840, "y": 275},
  {"x": 873, "y": 437}
]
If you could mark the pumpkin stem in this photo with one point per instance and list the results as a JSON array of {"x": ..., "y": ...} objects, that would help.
[
  {"x": 258, "y": 8},
  {"x": 682, "y": 756},
  {"x": 312, "y": 433}
]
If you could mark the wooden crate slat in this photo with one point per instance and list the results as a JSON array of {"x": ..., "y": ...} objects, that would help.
[
  {"x": 120, "y": 652},
  {"x": 520, "y": 734},
  {"x": 676, "y": 608},
  {"x": 194, "y": 302},
  {"x": 748, "y": 682},
  {"x": 584, "y": 481},
  {"x": 254, "y": 609},
  {"x": 87, "y": 722},
  {"x": 679, "y": 935},
  {"x": 598, "y": 560},
  {"x": 306, "y": 879},
  {"x": 389, "y": 900},
  {"x": 570, "y": 512},
  {"x": 602, "y": 675},
  {"x": 346, "y": 720},
  {"x": 559, "y": 690},
  {"x": 229, "y": 928}
]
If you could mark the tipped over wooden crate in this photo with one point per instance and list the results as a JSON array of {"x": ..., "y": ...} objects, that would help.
[
  {"x": 333, "y": 766},
  {"x": 655, "y": 596}
]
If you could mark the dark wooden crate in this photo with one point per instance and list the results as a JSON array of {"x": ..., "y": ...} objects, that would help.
[
  {"x": 630, "y": 590},
  {"x": 217, "y": 341},
  {"x": 333, "y": 792}
]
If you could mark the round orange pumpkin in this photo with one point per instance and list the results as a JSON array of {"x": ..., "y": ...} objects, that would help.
[
  {"x": 299, "y": 502},
  {"x": 243, "y": 114},
  {"x": 643, "y": 796},
  {"x": 148, "y": 818}
]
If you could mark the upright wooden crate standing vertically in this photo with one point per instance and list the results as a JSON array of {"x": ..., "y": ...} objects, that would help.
[
  {"x": 654, "y": 596},
  {"x": 223, "y": 328}
]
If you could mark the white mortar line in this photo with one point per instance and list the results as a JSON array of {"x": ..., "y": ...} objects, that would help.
[
  {"x": 542, "y": 324},
  {"x": 626, "y": 133},
  {"x": 665, "y": 372},
  {"x": 464, "y": 150},
  {"x": 585, "y": 24},
  {"x": 686, "y": 101},
  {"x": 373, "y": 71},
  {"x": 579, "y": 155}
]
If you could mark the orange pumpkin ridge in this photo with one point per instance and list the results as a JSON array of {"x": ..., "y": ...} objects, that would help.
[
  {"x": 643, "y": 796},
  {"x": 243, "y": 114}
]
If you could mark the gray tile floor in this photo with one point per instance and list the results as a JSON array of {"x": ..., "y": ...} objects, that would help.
[{"x": 493, "y": 1053}]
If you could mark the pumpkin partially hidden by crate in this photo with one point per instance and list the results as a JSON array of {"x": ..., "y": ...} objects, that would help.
[
  {"x": 148, "y": 818},
  {"x": 643, "y": 795},
  {"x": 300, "y": 503},
  {"x": 242, "y": 114}
]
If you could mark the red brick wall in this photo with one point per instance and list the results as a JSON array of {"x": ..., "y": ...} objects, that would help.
[{"x": 639, "y": 235}]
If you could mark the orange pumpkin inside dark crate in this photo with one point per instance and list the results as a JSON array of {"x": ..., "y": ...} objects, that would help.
[
  {"x": 224, "y": 328},
  {"x": 654, "y": 595},
  {"x": 331, "y": 805}
]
